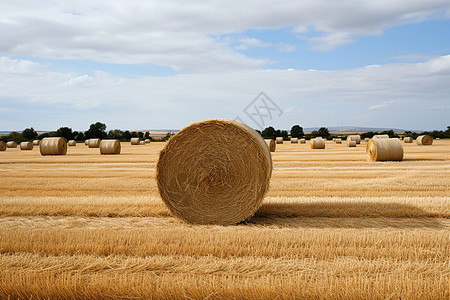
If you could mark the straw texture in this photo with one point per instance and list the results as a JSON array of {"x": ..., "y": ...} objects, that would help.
[
  {"x": 384, "y": 150},
  {"x": 279, "y": 140},
  {"x": 318, "y": 143},
  {"x": 294, "y": 140},
  {"x": 26, "y": 146},
  {"x": 11, "y": 144},
  {"x": 302, "y": 141},
  {"x": 94, "y": 143},
  {"x": 36, "y": 142},
  {"x": 408, "y": 139},
  {"x": 147, "y": 141},
  {"x": 2, "y": 146},
  {"x": 72, "y": 143},
  {"x": 135, "y": 141},
  {"x": 354, "y": 137},
  {"x": 110, "y": 147},
  {"x": 338, "y": 140},
  {"x": 271, "y": 144},
  {"x": 53, "y": 146},
  {"x": 424, "y": 140},
  {"x": 351, "y": 143},
  {"x": 214, "y": 172}
]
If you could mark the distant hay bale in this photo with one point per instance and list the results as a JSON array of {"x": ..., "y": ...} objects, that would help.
[
  {"x": 147, "y": 141},
  {"x": 110, "y": 147},
  {"x": 11, "y": 144},
  {"x": 408, "y": 139},
  {"x": 2, "y": 146},
  {"x": 142, "y": 143},
  {"x": 354, "y": 137},
  {"x": 72, "y": 143},
  {"x": 384, "y": 150},
  {"x": 271, "y": 144},
  {"x": 26, "y": 146},
  {"x": 366, "y": 139},
  {"x": 135, "y": 141},
  {"x": 302, "y": 141},
  {"x": 318, "y": 143},
  {"x": 279, "y": 140},
  {"x": 94, "y": 143},
  {"x": 351, "y": 143},
  {"x": 53, "y": 146},
  {"x": 380, "y": 136},
  {"x": 294, "y": 140},
  {"x": 338, "y": 140},
  {"x": 214, "y": 172},
  {"x": 86, "y": 142},
  {"x": 36, "y": 142},
  {"x": 424, "y": 140}
]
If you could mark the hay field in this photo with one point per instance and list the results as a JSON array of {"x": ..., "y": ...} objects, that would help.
[{"x": 332, "y": 226}]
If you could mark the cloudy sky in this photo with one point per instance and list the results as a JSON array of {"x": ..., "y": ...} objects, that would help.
[{"x": 164, "y": 64}]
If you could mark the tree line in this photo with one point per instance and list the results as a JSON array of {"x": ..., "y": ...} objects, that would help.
[{"x": 96, "y": 130}]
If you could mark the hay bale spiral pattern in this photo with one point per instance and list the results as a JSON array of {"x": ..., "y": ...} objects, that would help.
[
  {"x": 384, "y": 150},
  {"x": 424, "y": 140}
]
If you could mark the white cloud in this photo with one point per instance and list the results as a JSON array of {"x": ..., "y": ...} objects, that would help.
[
  {"x": 384, "y": 104},
  {"x": 182, "y": 35}
]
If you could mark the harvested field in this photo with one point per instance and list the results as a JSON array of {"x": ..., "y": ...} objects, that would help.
[{"x": 333, "y": 225}]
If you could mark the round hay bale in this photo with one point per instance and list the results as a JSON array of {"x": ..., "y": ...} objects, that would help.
[
  {"x": 279, "y": 140},
  {"x": 272, "y": 145},
  {"x": 135, "y": 141},
  {"x": 424, "y": 140},
  {"x": 354, "y": 137},
  {"x": 302, "y": 141},
  {"x": 384, "y": 150},
  {"x": 26, "y": 146},
  {"x": 318, "y": 143},
  {"x": 408, "y": 139},
  {"x": 36, "y": 142},
  {"x": 53, "y": 146},
  {"x": 2, "y": 146},
  {"x": 72, "y": 143},
  {"x": 110, "y": 147},
  {"x": 11, "y": 144},
  {"x": 147, "y": 141},
  {"x": 142, "y": 143},
  {"x": 94, "y": 143},
  {"x": 351, "y": 143},
  {"x": 338, "y": 141},
  {"x": 214, "y": 172},
  {"x": 380, "y": 136},
  {"x": 366, "y": 139},
  {"x": 86, "y": 142},
  {"x": 294, "y": 140}
]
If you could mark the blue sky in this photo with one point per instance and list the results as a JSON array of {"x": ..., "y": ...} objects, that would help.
[{"x": 154, "y": 64}]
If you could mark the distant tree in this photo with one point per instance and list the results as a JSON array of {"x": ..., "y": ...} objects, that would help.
[
  {"x": 29, "y": 134},
  {"x": 15, "y": 136},
  {"x": 297, "y": 131},
  {"x": 258, "y": 131},
  {"x": 66, "y": 133},
  {"x": 140, "y": 134},
  {"x": 269, "y": 133},
  {"x": 79, "y": 136},
  {"x": 126, "y": 135},
  {"x": 134, "y": 134},
  {"x": 284, "y": 134},
  {"x": 390, "y": 133},
  {"x": 43, "y": 135},
  {"x": 97, "y": 130},
  {"x": 314, "y": 134},
  {"x": 323, "y": 132},
  {"x": 115, "y": 134},
  {"x": 147, "y": 135}
]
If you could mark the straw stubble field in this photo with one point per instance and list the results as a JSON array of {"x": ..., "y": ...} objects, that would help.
[{"x": 332, "y": 226}]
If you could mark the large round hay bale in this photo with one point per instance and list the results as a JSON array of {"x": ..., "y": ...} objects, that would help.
[
  {"x": 318, "y": 143},
  {"x": 380, "y": 136},
  {"x": 279, "y": 140},
  {"x": 338, "y": 141},
  {"x": 53, "y": 146},
  {"x": 302, "y": 141},
  {"x": 354, "y": 137},
  {"x": 384, "y": 150},
  {"x": 408, "y": 139},
  {"x": 26, "y": 146},
  {"x": 2, "y": 146},
  {"x": 135, "y": 141},
  {"x": 11, "y": 144},
  {"x": 294, "y": 140},
  {"x": 214, "y": 172},
  {"x": 110, "y": 147},
  {"x": 351, "y": 143},
  {"x": 72, "y": 143},
  {"x": 94, "y": 143},
  {"x": 36, "y": 142},
  {"x": 147, "y": 141},
  {"x": 424, "y": 140}
]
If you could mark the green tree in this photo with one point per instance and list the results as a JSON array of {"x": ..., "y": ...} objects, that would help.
[
  {"x": 297, "y": 131},
  {"x": 140, "y": 134},
  {"x": 284, "y": 134},
  {"x": 134, "y": 134},
  {"x": 97, "y": 130},
  {"x": 29, "y": 134},
  {"x": 16, "y": 137},
  {"x": 269, "y": 133},
  {"x": 66, "y": 133},
  {"x": 115, "y": 134},
  {"x": 323, "y": 132},
  {"x": 314, "y": 134},
  {"x": 126, "y": 135},
  {"x": 147, "y": 135},
  {"x": 79, "y": 135}
]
